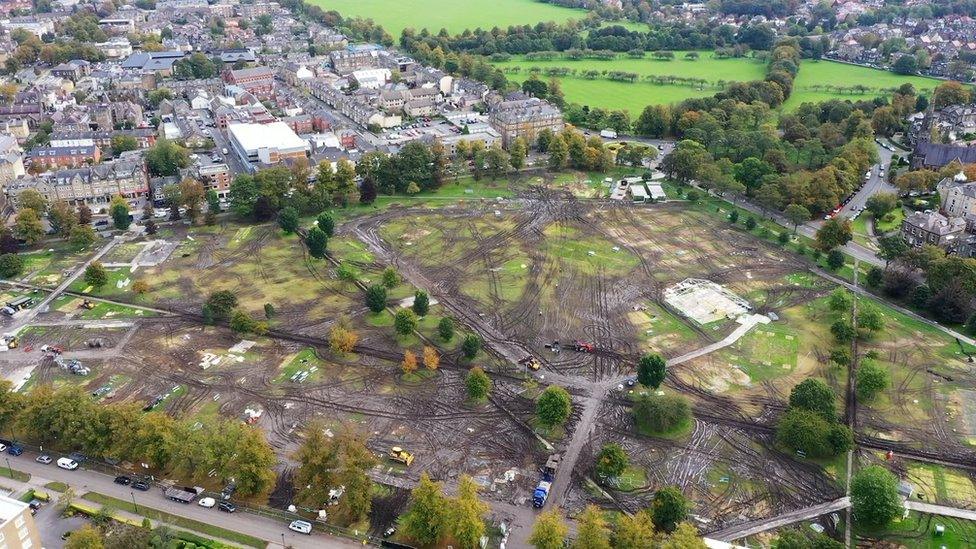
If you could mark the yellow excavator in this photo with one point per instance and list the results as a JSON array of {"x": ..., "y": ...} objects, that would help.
[{"x": 401, "y": 456}]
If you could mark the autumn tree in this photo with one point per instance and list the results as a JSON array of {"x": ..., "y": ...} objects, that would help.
[
  {"x": 431, "y": 358},
  {"x": 409, "y": 363},
  {"x": 591, "y": 530},
  {"x": 549, "y": 531},
  {"x": 427, "y": 518}
]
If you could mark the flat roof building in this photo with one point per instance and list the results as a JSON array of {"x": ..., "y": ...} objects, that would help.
[
  {"x": 17, "y": 528},
  {"x": 266, "y": 144}
]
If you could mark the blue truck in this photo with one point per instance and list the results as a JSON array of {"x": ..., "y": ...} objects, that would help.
[{"x": 541, "y": 493}]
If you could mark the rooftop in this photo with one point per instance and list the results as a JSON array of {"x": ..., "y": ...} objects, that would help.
[
  {"x": 10, "y": 509},
  {"x": 257, "y": 136}
]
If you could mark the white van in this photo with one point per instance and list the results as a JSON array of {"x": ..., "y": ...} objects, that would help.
[
  {"x": 301, "y": 526},
  {"x": 67, "y": 463}
]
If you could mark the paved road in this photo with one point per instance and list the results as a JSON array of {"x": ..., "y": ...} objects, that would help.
[
  {"x": 265, "y": 528},
  {"x": 932, "y": 509},
  {"x": 747, "y": 529},
  {"x": 747, "y": 324}
]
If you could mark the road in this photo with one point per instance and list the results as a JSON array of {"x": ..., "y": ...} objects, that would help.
[
  {"x": 932, "y": 509},
  {"x": 746, "y": 529},
  {"x": 82, "y": 481},
  {"x": 873, "y": 186}
]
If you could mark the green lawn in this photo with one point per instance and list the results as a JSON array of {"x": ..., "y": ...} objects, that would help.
[
  {"x": 813, "y": 75},
  {"x": 918, "y": 531},
  {"x": 396, "y": 15}
]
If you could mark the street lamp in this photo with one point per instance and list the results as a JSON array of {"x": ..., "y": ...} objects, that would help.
[
  {"x": 134, "y": 504},
  {"x": 9, "y": 468},
  {"x": 283, "y": 540}
]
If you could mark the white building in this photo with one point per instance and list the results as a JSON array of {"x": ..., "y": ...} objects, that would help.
[
  {"x": 266, "y": 143},
  {"x": 371, "y": 79},
  {"x": 17, "y": 527}
]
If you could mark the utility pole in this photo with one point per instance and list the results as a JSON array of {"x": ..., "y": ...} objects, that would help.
[{"x": 851, "y": 405}]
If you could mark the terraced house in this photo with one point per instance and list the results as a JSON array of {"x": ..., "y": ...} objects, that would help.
[
  {"x": 525, "y": 118},
  {"x": 89, "y": 185}
]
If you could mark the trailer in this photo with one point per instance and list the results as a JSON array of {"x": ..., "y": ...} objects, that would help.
[
  {"x": 541, "y": 493},
  {"x": 182, "y": 495}
]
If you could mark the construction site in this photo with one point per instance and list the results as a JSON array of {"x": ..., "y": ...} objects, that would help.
[{"x": 561, "y": 291}]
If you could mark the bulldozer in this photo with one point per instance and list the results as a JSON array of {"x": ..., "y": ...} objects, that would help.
[
  {"x": 401, "y": 456},
  {"x": 530, "y": 362},
  {"x": 88, "y": 304},
  {"x": 11, "y": 341}
]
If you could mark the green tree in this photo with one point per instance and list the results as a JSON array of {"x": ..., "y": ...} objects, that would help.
[
  {"x": 874, "y": 497},
  {"x": 165, "y": 158},
  {"x": 470, "y": 346},
  {"x": 591, "y": 530},
  {"x": 269, "y": 311},
  {"x": 405, "y": 321},
  {"x": 891, "y": 248},
  {"x": 549, "y": 531},
  {"x": 518, "y": 150},
  {"x": 797, "y": 214},
  {"x": 123, "y": 143},
  {"x": 872, "y": 379},
  {"x": 869, "y": 317},
  {"x": 651, "y": 370},
  {"x": 326, "y": 222},
  {"x": 119, "y": 210},
  {"x": 28, "y": 226},
  {"x": 87, "y": 537},
  {"x": 96, "y": 275},
  {"x": 558, "y": 154},
  {"x": 421, "y": 303},
  {"x": 553, "y": 406},
  {"x": 833, "y": 233},
  {"x": 428, "y": 513},
  {"x": 843, "y": 331},
  {"x": 11, "y": 265},
  {"x": 317, "y": 242},
  {"x": 478, "y": 384},
  {"x": 62, "y": 218},
  {"x": 288, "y": 220},
  {"x": 805, "y": 431},
  {"x": 243, "y": 195},
  {"x": 33, "y": 199},
  {"x": 391, "y": 278},
  {"x": 684, "y": 537},
  {"x": 661, "y": 413},
  {"x": 242, "y": 323},
  {"x": 751, "y": 223},
  {"x": 795, "y": 539},
  {"x": 835, "y": 259},
  {"x": 880, "y": 204},
  {"x": 221, "y": 303},
  {"x": 634, "y": 531},
  {"x": 327, "y": 462},
  {"x": 611, "y": 461},
  {"x": 668, "y": 508},
  {"x": 445, "y": 329},
  {"x": 376, "y": 298},
  {"x": 814, "y": 395},
  {"x": 467, "y": 518}
]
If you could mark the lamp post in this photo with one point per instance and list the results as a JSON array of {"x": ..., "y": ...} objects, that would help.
[
  {"x": 134, "y": 504},
  {"x": 283, "y": 540},
  {"x": 10, "y": 470}
]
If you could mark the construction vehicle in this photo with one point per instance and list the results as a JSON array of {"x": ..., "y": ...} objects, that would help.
[
  {"x": 88, "y": 304},
  {"x": 531, "y": 363},
  {"x": 541, "y": 493},
  {"x": 401, "y": 456},
  {"x": 554, "y": 346},
  {"x": 11, "y": 341},
  {"x": 584, "y": 347}
]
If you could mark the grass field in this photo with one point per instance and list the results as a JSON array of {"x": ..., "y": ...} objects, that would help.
[
  {"x": 396, "y": 15},
  {"x": 812, "y": 83}
]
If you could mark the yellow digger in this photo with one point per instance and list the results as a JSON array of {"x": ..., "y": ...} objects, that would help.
[
  {"x": 88, "y": 304},
  {"x": 401, "y": 456}
]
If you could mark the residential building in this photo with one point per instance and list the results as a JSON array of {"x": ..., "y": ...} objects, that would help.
[
  {"x": 160, "y": 62},
  {"x": 524, "y": 118},
  {"x": 933, "y": 228},
  {"x": 17, "y": 527},
  {"x": 935, "y": 156},
  {"x": 958, "y": 196},
  {"x": 89, "y": 185},
  {"x": 267, "y": 144},
  {"x": 11, "y": 159},
  {"x": 145, "y": 137},
  {"x": 72, "y": 70},
  {"x": 214, "y": 176},
  {"x": 258, "y": 81},
  {"x": 65, "y": 156},
  {"x": 345, "y": 61},
  {"x": 484, "y": 133}
]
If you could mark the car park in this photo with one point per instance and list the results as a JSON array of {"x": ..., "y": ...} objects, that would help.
[
  {"x": 301, "y": 526},
  {"x": 67, "y": 463},
  {"x": 207, "y": 502},
  {"x": 123, "y": 480},
  {"x": 44, "y": 459}
]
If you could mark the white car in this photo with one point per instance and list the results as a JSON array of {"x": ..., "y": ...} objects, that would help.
[
  {"x": 3, "y": 447},
  {"x": 207, "y": 502},
  {"x": 301, "y": 526},
  {"x": 67, "y": 463}
]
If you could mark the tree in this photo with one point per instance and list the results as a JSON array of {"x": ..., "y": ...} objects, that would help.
[
  {"x": 33, "y": 199},
  {"x": 288, "y": 220},
  {"x": 810, "y": 433},
  {"x": 326, "y": 222},
  {"x": 243, "y": 195},
  {"x": 123, "y": 143},
  {"x": 891, "y": 248},
  {"x": 918, "y": 180},
  {"x": 814, "y": 395},
  {"x": 140, "y": 287},
  {"x": 28, "y": 226},
  {"x": 797, "y": 214},
  {"x": 634, "y": 531},
  {"x": 950, "y": 93},
  {"x": 467, "y": 519},
  {"x": 751, "y": 223},
  {"x": 881, "y": 204},
  {"x": 329, "y": 461},
  {"x": 221, "y": 303},
  {"x": 839, "y": 300},
  {"x": 62, "y": 218},
  {"x": 165, "y": 158},
  {"x": 833, "y": 233},
  {"x": 549, "y": 531},
  {"x": 478, "y": 384},
  {"x": 431, "y": 358},
  {"x": 87, "y": 537},
  {"x": 795, "y": 539},
  {"x": 242, "y": 323},
  {"x": 874, "y": 497},
  {"x": 518, "y": 151},
  {"x": 470, "y": 346},
  {"x": 668, "y": 508},
  {"x": 591, "y": 530},
  {"x": 685, "y": 536},
  {"x": 558, "y": 153},
  {"x": 409, "y": 363},
  {"x": 421, "y": 303},
  {"x": 906, "y": 64},
  {"x": 405, "y": 321},
  {"x": 553, "y": 406},
  {"x": 869, "y": 317},
  {"x": 342, "y": 339},
  {"x": 835, "y": 259},
  {"x": 445, "y": 329},
  {"x": 872, "y": 379},
  {"x": 427, "y": 516},
  {"x": 119, "y": 210},
  {"x": 191, "y": 196},
  {"x": 661, "y": 413},
  {"x": 391, "y": 278},
  {"x": 11, "y": 265},
  {"x": 611, "y": 461},
  {"x": 651, "y": 370},
  {"x": 843, "y": 331},
  {"x": 535, "y": 87},
  {"x": 317, "y": 242},
  {"x": 376, "y": 298},
  {"x": 96, "y": 275}
]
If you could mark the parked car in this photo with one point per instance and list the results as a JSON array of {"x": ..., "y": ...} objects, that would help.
[
  {"x": 3, "y": 447},
  {"x": 141, "y": 485},
  {"x": 44, "y": 459},
  {"x": 226, "y": 507},
  {"x": 207, "y": 502},
  {"x": 301, "y": 526},
  {"x": 389, "y": 532},
  {"x": 15, "y": 449},
  {"x": 67, "y": 463},
  {"x": 123, "y": 480}
]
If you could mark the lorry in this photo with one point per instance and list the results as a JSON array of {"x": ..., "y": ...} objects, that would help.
[
  {"x": 608, "y": 134},
  {"x": 183, "y": 495},
  {"x": 541, "y": 493}
]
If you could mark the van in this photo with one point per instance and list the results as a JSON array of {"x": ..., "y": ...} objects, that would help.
[
  {"x": 301, "y": 526},
  {"x": 67, "y": 463}
]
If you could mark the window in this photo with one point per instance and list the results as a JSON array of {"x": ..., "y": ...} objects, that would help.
[
  {"x": 20, "y": 521},
  {"x": 23, "y": 533}
]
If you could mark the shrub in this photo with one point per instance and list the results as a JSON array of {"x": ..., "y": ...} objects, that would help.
[{"x": 661, "y": 413}]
